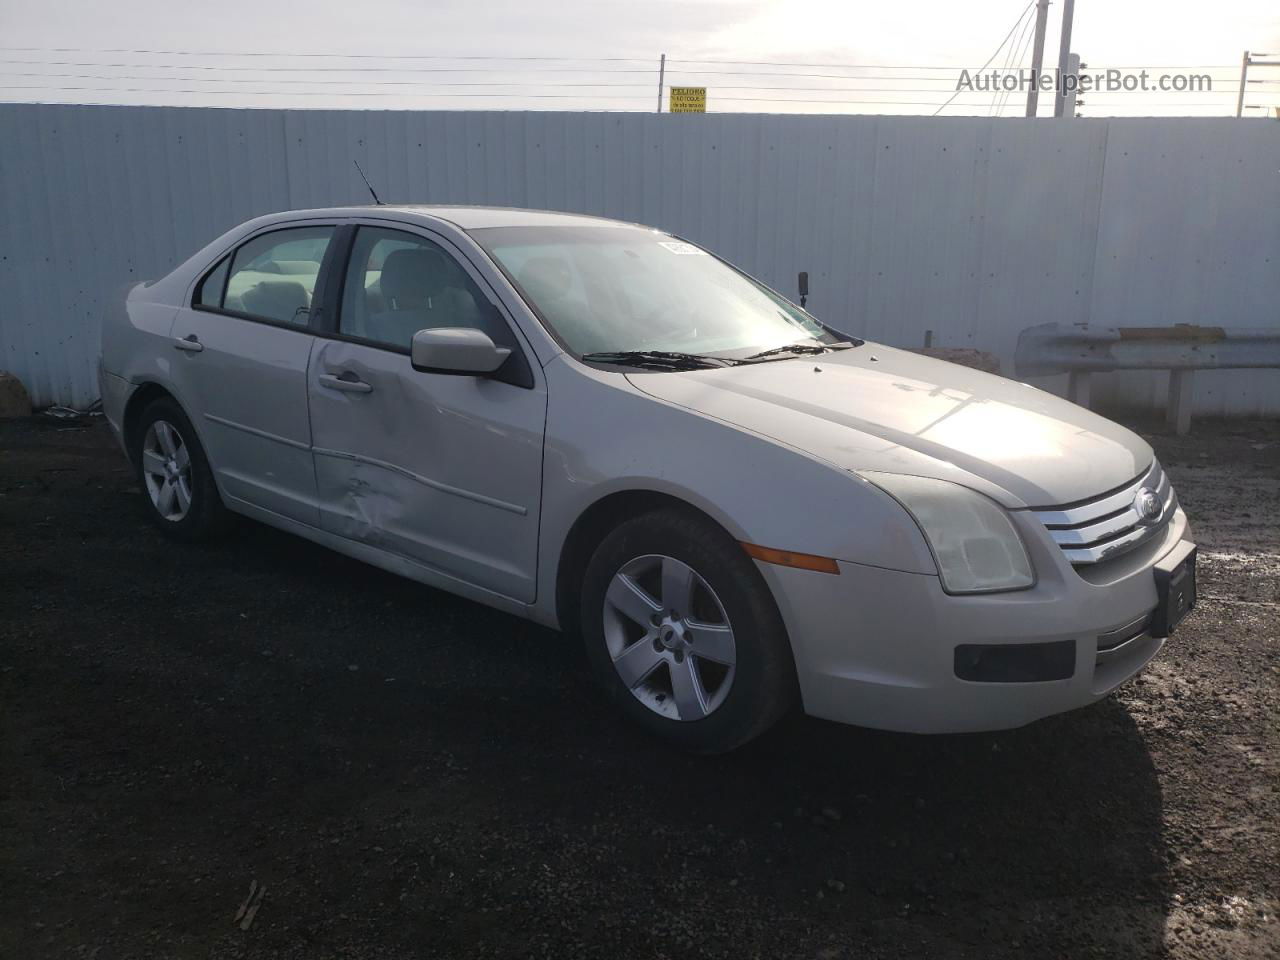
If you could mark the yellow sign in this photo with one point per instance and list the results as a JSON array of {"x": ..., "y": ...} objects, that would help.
[{"x": 688, "y": 99}]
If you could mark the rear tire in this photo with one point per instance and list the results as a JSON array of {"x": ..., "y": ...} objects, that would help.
[
  {"x": 178, "y": 489},
  {"x": 682, "y": 632}
]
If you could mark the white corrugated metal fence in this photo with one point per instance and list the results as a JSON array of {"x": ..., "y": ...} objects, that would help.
[{"x": 974, "y": 228}]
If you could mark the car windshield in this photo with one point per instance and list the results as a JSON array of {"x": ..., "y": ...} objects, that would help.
[{"x": 609, "y": 290}]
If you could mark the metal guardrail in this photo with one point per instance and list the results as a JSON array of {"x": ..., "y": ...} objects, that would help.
[{"x": 1081, "y": 350}]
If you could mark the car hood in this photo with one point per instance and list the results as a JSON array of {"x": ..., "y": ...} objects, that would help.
[{"x": 875, "y": 408}]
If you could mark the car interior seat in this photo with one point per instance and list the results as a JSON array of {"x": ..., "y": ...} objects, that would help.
[
  {"x": 277, "y": 299},
  {"x": 420, "y": 290}
]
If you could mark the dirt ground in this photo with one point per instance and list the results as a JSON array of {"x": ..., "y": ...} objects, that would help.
[{"x": 413, "y": 775}]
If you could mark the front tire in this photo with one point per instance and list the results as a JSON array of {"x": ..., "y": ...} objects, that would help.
[
  {"x": 179, "y": 491},
  {"x": 682, "y": 632}
]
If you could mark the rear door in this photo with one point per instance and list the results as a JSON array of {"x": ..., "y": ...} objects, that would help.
[
  {"x": 443, "y": 469},
  {"x": 241, "y": 350}
]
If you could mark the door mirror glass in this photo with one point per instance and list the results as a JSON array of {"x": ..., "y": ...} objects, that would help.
[{"x": 465, "y": 351}]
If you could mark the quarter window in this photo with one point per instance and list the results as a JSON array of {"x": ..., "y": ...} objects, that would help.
[
  {"x": 209, "y": 293},
  {"x": 273, "y": 276},
  {"x": 398, "y": 284}
]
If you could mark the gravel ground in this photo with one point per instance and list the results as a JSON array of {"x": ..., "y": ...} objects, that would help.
[{"x": 412, "y": 775}]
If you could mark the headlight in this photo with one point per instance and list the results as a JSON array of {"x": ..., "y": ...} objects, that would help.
[{"x": 973, "y": 540}]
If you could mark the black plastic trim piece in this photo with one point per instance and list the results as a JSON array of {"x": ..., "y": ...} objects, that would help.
[{"x": 1016, "y": 662}]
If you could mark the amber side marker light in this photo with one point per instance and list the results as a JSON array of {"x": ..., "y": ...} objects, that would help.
[{"x": 785, "y": 558}]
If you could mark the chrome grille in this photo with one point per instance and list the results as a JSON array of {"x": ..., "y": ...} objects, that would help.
[{"x": 1109, "y": 525}]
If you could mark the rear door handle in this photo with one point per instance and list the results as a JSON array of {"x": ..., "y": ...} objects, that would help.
[
  {"x": 190, "y": 343},
  {"x": 347, "y": 382}
]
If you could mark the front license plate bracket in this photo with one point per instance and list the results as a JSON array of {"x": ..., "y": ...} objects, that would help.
[{"x": 1175, "y": 575}]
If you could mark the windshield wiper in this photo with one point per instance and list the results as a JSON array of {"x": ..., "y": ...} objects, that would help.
[
  {"x": 670, "y": 359},
  {"x": 796, "y": 348}
]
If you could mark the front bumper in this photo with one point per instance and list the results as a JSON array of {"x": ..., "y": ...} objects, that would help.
[{"x": 877, "y": 647}]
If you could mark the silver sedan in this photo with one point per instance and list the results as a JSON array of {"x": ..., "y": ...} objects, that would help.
[{"x": 610, "y": 430}]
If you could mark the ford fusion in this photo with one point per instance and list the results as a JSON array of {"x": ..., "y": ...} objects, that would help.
[{"x": 610, "y": 430}]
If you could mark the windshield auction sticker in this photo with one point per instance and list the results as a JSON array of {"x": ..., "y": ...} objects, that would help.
[{"x": 682, "y": 248}]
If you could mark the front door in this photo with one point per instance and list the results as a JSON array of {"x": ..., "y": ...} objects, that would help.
[
  {"x": 445, "y": 470},
  {"x": 240, "y": 365}
]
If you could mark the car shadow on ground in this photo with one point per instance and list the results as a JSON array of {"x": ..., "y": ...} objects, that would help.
[
  {"x": 486, "y": 730},
  {"x": 407, "y": 770}
]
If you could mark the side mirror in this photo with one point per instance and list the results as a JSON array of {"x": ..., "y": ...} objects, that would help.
[
  {"x": 463, "y": 351},
  {"x": 804, "y": 286}
]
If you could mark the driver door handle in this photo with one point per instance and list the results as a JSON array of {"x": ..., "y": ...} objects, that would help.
[
  {"x": 190, "y": 343},
  {"x": 347, "y": 382}
]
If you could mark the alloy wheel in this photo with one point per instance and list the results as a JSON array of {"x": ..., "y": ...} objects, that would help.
[
  {"x": 669, "y": 637},
  {"x": 166, "y": 469}
]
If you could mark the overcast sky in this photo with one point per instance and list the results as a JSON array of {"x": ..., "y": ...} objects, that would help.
[{"x": 167, "y": 51}]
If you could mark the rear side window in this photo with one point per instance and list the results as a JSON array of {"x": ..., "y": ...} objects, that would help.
[
  {"x": 209, "y": 293},
  {"x": 272, "y": 277}
]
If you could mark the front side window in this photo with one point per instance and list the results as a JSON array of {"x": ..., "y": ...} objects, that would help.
[
  {"x": 398, "y": 283},
  {"x": 273, "y": 276},
  {"x": 615, "y": 289}
]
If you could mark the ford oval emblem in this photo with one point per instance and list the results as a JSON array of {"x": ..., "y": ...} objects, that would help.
[{"x": 1147, "y": 505}]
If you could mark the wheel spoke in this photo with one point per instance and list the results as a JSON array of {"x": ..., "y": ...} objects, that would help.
[
  {"x": 712, "y": 641},
  {"x": 631, "y": 600},
  {"x": 165, "y": 499},
  {"x": 164, "y": 435},
  {"x": 686, "y": 685},
  {"x": 677, "y": 585},
  {"x": 637, "y": 662},
  {"x": 184, "y": 494},
  {"x": 182, "y": 458},
  {"x": 153, "y": 463}
]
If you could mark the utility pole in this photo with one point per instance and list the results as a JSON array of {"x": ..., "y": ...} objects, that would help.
[
  {"x": 1064, "y": 55},
  {"x": 1037, "y": 57},
  {"x": 1069, "y": 101},
  {"x": 662, "y": 75},
  {"x": 1252, "y": 59},
  {"x": 1244, "y": 73}
]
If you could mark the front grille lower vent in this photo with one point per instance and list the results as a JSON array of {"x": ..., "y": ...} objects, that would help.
[{"x": 1111, "y": 524}]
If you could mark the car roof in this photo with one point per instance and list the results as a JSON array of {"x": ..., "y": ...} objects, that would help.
[
  {"x": 462, "y": 216},
  {"x": 473, "y": 218}
]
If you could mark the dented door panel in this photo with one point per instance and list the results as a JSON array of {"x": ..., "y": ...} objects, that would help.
[{"x": 443, "y": 469}]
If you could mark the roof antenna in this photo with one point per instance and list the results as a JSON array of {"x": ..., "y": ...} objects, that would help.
[{"x": 368, "y": 184}]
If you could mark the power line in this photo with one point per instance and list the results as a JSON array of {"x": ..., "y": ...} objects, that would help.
[
  {"x": 322, "y": 93},
  {"x": 583, "y": 77},
  {"x": 517, "y": 95},
  {"x": 188, "y": 66},
  {"x": 472, "y": 83},
  {"x": 434, "y": 83},
  {"x": 349, "y": 56},
  {"x": 1025, "y": 11},
  {"x": 489, "y": 70},
  {"x": 852, "y": 106},
  {"x": 1021, "y": 45},
  {"x": 544, "y": 59},
  {"x": 1008, "y": 62},
  {"x": 856, "y": 84},
  {"x": 874, "y": 66}
]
